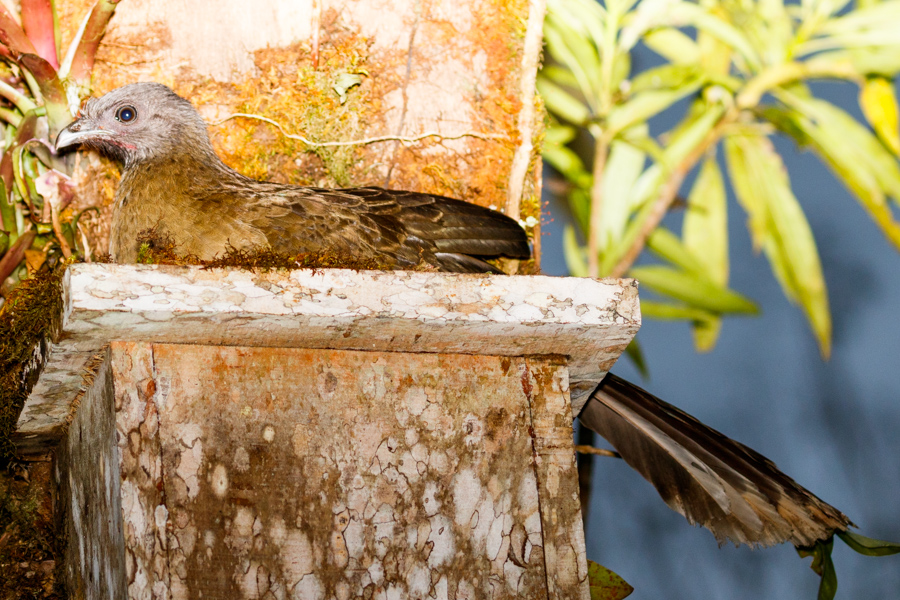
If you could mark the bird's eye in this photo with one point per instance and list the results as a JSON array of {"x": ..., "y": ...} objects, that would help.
[{"x": 126, "y": 114}]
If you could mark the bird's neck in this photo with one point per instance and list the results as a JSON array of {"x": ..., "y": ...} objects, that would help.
[{"x": 196, "y": 166}]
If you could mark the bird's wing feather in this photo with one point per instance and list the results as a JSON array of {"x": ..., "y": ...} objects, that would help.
[
  {"x": 712, "y": 480},
  {"x": 406, "y": 227}
]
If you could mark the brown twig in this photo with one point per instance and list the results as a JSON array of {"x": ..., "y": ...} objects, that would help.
[
  {"x": 601, "y": 152},
  {"x": 596, "y": 451},
  {"x": 668, "y": 194}
]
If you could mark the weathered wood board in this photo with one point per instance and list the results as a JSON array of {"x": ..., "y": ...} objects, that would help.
[
  {"x": 293, "y": 473},
  {"x": 590, "y": 322}
]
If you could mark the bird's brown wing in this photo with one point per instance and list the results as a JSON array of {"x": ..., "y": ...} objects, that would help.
[
  {"x": 712, "y": 480},
  {"x": 402, "y": 228}
]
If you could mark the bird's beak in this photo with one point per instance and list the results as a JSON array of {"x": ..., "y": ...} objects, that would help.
[{"x": 78, "y": 132}]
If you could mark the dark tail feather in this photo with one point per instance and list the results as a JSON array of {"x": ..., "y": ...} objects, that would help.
[{"x": 712, "y": 480}]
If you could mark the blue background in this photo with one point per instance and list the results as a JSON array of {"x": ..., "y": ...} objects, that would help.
[{"x": 833, "y": 426}]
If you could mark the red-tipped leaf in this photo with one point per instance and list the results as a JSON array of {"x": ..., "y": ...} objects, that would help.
[
  {"x": 11, "y": 34},
  {"x": 38, "y": 21},
  {"x": 51, "y": 89},
  {"x": 79, "y": 62}
]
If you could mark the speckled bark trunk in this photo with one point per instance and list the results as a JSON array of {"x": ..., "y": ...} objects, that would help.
[{"x": 461, "y": 70}]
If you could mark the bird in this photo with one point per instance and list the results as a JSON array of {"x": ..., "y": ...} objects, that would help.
[
  {"x": 173, "y": 179},
  {"x": 173, "y": 182}
]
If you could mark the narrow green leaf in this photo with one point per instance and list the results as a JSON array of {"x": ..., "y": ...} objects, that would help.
[
  {"x": 571, "y": 49},
  {"x": 586, "y": 16},
  {"x": 884, "y": 15},
  {"x": 666, "y": 77},
  {"x": 868, "y": 546},
  {"x": 665, "y": 311},
  {"x": 669, "y": 247},
  {"x": 8, "y": 213},
  {"x": 866, "y": 167},
  {"x": 686, "y": 13},
  {"x": 558, "y": 135},
  {"x": 673, "y": 45},
  {"x": 562, "y": 103},
  {"x": 565, "y": 161},
  {"x": 606, "y": 585},
  {"x": 823, "y": 566},
  {"x": 879, "y": 60},
  {"x": 705, "y": 228},
  {"x": 574, "y": 253},
  {"x": 779, "y": 227},
  {"x": 559, "y": 75},
  {"x": 624, "y": 165},
  {"x": 879, "y": 104},
  {"x": 636, "y": 354},
  {"x": 54, "y": 96},
  {"x": 705, "y": 234},
  {"x": 644, "y": 105},
  {"x": 693, "y": 290},
  {"x": 706, "y": 334}
]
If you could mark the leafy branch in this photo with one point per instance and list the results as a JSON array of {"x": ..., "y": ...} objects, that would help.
[{"x": 742, "y": 70}]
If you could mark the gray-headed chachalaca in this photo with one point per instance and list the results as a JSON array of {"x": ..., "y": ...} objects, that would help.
[{"x": 173, "y": 180}]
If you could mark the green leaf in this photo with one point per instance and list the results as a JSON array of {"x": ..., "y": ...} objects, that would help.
[
  {"x": 585, "y": 16},
  {"x": 644, "y": 105},
  {"x": 866, "y": 167},
  {"x": 627, "y": 163},
  {"x": 559, "y": 134},
  {"x": 666, "y": 77},
  {"x": 705, "y": 228},
  {"x": 574, "y": 253},
  {"x": 665, "y": 311},
  {"x": 686, "y": 13},
  {"x": 705, "y": 234},
  {"x": 51, "y": 89},
  {"x": 666, "y": 245},
  {"x": 779, "y": 227},
  {"x": 823, "y": 566},
  {"x": 8, "y": 213},
  {"x": 868, "y": 546},
  {"x": 693, "y": 290},
  {"x": 879, "y": 104},
  {"x": 606, "y": 585},
  {"x": 559, "y": 75},
  {"x": 884, "y": 61},
  {"x": 884, "y": 16},
  {"x": 565, "y": 161},
  {"x": 636, "y": 354},
  {"x": 572, "y": 49},
  {"x": 562, "y": 103},
  {"x": 673, "y": 45}
]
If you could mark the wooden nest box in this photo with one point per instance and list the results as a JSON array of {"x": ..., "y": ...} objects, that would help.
[{"x": 322, "y": 434}]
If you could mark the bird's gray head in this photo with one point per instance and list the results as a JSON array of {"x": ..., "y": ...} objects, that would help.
[{"x": 136, "y": 123}]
